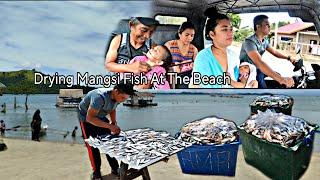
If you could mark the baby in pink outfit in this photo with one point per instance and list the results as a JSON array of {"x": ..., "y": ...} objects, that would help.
[{"x": 159, "y": 59}]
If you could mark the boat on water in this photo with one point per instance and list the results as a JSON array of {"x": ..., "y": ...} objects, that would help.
[
  {"x": 141, "y": 99},
  {"x": 69, "y": 98}
]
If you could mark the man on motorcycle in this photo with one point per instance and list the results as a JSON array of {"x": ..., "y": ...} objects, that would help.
[{"x": 254, "y": 47}]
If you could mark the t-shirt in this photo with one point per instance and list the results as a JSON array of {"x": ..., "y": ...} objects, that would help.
[
  {"x": 99, "y": 99},
  {"x": 252, "y": 44},
  {"x": 158, "y": 70},
  {"x": 126, "y": 51},
  {"x": 177, "y": 57},
  {"x": 206, "y": 64}
]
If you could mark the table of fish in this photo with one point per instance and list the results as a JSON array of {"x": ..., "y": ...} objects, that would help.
[{"x": 138, "y": 148}]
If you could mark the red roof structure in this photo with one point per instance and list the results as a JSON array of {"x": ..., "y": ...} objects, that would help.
[{"x": 294, "y": 28}]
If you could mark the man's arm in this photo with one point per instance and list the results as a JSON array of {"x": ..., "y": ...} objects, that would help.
[
  {"x": 279, "y": 54},
  {"x": 111, "y": 57},
  {"x": 92, "y": 119},
  {"x": 256, "y": 58},
  {"x": 113, "y": 117}
]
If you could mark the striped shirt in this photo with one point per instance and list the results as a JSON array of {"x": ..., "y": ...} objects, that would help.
[{"x": 177, "y": 56}]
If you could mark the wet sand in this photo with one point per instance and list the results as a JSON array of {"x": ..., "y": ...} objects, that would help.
[{"x": 26, "y": 159}]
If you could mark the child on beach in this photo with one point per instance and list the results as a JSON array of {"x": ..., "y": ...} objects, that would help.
[
  {"x": 74, "y": 132},
  {"x": 159, "y": 59},
  {"x": 247, "y": 78},
  {"x": 2, "y": 127}
]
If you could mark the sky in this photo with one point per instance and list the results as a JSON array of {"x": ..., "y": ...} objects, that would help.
[
  {"x": 62, "y": 36},
  {"x": 247, "y": 18}
]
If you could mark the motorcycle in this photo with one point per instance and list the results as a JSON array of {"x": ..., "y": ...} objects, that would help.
[{"x": 304, "y": 79}]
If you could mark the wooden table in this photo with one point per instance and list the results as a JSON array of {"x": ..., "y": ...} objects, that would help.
[{"x": 128, "y": 174}]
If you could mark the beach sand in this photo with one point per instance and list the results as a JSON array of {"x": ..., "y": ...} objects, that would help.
[{"x": 25, "y": 159}]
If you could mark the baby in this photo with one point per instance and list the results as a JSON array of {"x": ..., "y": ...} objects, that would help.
[
  {"x": 247, "y": 78},
  {"x": 159, "y": 59}
]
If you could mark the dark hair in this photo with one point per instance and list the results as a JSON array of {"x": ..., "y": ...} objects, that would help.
[
  {"x": 213, "y": 21},
  {"x": 125, "y": 87},
  {"x": 36, "y": 115},
  {"x": 167, "y": 58},
  {"x": 258, "y": 21},
  {"x": 184, "y": 26}
]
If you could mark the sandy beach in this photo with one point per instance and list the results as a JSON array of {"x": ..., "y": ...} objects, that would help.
[{"x": 25, "y": 159}]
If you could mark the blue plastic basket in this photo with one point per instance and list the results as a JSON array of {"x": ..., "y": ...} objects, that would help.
[{"x": 209, "y": 159}]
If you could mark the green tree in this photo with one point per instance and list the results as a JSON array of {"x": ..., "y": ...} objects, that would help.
[
  {"x": 281, "y": 23},
  {"x": 239, "y": 33},
  {"x": 235, "y": 20}
]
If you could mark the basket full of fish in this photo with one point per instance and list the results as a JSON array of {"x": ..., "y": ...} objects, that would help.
[
  {"x": 215, "y": 147},
  {"x": 138, "y": 148},
  {"x": 278, "y": 145},
  {"x": 276, "y": 103}
]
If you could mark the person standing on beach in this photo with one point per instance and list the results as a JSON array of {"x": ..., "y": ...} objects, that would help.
[
  {"x": 93, "y": 111},
  {"x": 2, "y": 128},
  {"x": 74, "y": 132},
  {"x": 36, "y": 126}
]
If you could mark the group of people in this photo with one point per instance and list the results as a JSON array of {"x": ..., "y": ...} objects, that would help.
[
  {"x": 136, "y": 53},
  {"x": 36, "y": 127}
]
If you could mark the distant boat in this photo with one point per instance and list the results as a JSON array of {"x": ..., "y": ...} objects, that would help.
[
  {"x": 69, "y": 98},
  {"x": 142, "y": 99}
]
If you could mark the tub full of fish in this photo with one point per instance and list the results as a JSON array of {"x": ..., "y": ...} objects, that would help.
[
  {"x": 138, "y": 148},
  {"x": 215, "y": 147},
  {"x": 276, "y": 103},
  {"x": 279, "y": 145},
  {"x": 209, "y": 130}
]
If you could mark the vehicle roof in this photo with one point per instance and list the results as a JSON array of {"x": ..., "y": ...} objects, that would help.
[{"x": 307, "y": 10}]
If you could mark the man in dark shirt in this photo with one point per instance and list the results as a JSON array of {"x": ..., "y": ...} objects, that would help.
[
  {"x": 93, "y": 112},
  {"x": 254, "y": 47}
]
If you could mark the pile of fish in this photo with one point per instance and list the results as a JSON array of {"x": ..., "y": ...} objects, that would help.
[
  {"x": 273, "y": 101},
  {"x": 277, "y": 127},
  {"x": 138, "y": 148},
  {"x": 210, "y": 130}
]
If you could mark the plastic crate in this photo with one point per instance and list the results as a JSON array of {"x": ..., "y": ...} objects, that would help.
[
  {"x": 275, "y": 161},
  {"x": 209, "y": 159},
  {"x": 275, "y": 106}
]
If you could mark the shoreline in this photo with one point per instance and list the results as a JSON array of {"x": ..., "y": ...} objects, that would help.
[{"x": 26, "y": 159}]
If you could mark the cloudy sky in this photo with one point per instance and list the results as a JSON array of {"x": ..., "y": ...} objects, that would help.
[
  {"x": 247, "y": 18},
  {"x": 63, "y": 37}
]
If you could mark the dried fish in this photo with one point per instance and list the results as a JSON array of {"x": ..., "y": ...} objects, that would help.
[
  {"x": 277, "y": 127},
  {"x": 211, "y": 130},
  {"x": 139, "y": 147},
  {"x": 273, "y": 101}
]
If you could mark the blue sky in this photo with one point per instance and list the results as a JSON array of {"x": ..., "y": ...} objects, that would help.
[{"x": 63, "y": 37}]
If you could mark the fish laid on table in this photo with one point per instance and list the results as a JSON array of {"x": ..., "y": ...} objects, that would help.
[
  {"x": 277, "y": 127},
  {"x": 211, "y": 130},
  {"x": 138, "y": 148}
]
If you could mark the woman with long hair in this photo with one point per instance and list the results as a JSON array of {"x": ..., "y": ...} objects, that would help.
[{"x": 217, "y": 60}]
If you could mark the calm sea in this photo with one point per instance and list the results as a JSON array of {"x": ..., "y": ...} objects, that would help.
[{"x": 172, "y": 112}]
